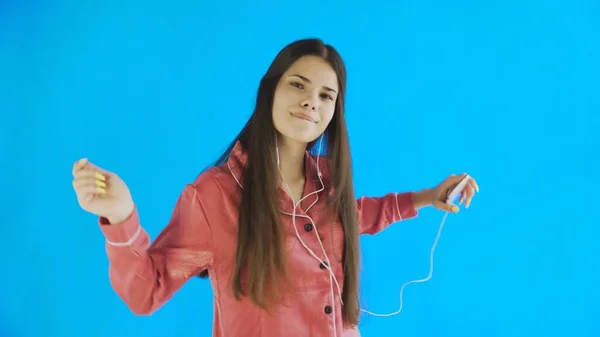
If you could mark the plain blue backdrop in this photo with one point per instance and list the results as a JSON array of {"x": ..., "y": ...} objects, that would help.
[{"x": 505, "y": 90}]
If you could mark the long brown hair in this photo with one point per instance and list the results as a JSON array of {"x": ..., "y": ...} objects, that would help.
[{"x": 260, "y": 237}]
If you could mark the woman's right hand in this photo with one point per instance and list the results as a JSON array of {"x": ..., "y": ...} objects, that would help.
[{"x": 101, "y": 192}]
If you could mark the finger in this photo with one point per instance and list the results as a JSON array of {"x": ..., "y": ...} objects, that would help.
[
  {"x": 448, "y": 207},
  {"x": 84, "y": 189},
  {"x": 84, "y": 163},
  {"x": 90, "y": 173},
  {"x": 462, "y": 197},
  {"x": 78, "y": 165},
  {"x": 468, "y": 191},
  {"x": 89, "y": 180},
  {"x": 473, "y": 184}
]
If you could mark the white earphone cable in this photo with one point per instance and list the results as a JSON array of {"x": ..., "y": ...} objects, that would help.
[
  {"x": 431, "y": 255},
  {"x": 326, "y": 263}
]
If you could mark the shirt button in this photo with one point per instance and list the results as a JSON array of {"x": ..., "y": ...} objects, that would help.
[
  {"x": 328, "y": 310},
  {"x": 308, "y": 227},
  {"x": 323, "y": 265}
]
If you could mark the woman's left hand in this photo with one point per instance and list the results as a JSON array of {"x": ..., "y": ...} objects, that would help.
[{"x": 438, "y": 196}]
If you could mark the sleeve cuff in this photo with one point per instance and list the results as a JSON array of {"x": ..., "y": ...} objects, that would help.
[
  {"x": 121, "y": 234},
  {"x": 405, "y": 206}
]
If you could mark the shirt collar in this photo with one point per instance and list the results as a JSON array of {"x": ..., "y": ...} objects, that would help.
[{"x": 237, "y": 161}]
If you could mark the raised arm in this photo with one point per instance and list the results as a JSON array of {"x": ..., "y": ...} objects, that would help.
[
  {"x": 376, "y": 213},
  {"x": 146, "y": 275}
]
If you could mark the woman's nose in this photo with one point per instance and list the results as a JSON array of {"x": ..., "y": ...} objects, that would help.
[{"x": 309, "y": 102}]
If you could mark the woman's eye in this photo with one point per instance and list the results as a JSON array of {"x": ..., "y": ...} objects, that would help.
[
  {"x": 297, "y": 85},
  {"x": 327, "y": 96}
]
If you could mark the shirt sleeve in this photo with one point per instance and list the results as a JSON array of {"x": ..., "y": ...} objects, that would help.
[
  {"x": 146, "y": 275},
  {"x": 377, "y": 213}
]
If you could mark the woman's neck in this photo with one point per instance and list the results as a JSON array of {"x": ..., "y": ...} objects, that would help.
[{"x": 291, "y": 160}]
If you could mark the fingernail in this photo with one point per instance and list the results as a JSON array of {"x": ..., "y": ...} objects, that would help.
[
  {"x": 82, "y": 161},
  {"x": 100, "y": 176},
  {"x": 100, "y": 190},
  {"x": 454, "y": 209},
  {"x": 100, "y": 183}
]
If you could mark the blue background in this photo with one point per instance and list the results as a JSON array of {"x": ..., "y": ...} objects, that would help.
[{"x": 505, "y": 90}]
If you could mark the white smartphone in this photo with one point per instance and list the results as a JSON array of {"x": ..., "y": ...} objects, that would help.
[{"x": 455, "y": 192}]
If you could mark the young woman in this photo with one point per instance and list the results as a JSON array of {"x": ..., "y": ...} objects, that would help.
[{"x": 274, "y": 223}]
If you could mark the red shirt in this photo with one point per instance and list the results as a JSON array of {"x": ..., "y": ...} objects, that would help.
[{"x": 202, "y": 235}]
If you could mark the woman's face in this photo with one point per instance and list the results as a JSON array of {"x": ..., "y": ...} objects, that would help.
[{"x": 304, "y": 100}]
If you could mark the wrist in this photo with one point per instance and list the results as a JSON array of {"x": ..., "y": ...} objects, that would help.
[
  {"x": 423, "y": 198},
  {"x": 115, "y": 220},
  {"x": 120, "y": 217}
]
